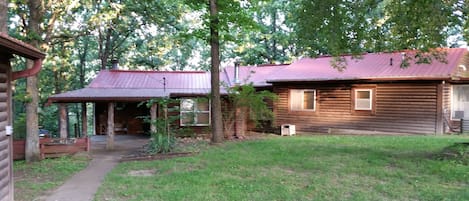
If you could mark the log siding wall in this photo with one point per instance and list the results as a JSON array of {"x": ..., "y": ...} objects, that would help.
[
  {"x": 398, "y": 108},
  {"x": 6, "y": 180},
  {"x": 446, "y": 99}
]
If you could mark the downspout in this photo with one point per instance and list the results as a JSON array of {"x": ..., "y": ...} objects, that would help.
[{"x": 28, "y": 72}]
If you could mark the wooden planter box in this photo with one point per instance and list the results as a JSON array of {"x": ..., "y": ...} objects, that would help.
[{"x": 53, "y": 147}]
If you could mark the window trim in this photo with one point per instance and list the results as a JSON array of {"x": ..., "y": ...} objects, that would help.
[
  {"x": 353, "y": 95},
  {"x": 452, "y": 107},
  {"x": 195, "y": 111},
  {"x": 302, "y": 100},
  {"x": 355, "y": 104}
]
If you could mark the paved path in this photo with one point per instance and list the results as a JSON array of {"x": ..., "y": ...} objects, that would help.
[{"x": 83, "y": 185}]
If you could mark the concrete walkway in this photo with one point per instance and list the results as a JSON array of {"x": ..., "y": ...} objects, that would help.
[{"x": 83, "y": 185}]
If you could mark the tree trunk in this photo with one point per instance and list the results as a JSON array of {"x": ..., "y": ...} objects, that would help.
[
  {"x": 217, "y": 125},
  {"x": 240, "y": 122},
  {"x": 32, "y": 152},
  {"x": 84, "y": 121},
  {"x": 4, "y": 16},
  {"x": 105, "y": 47}
]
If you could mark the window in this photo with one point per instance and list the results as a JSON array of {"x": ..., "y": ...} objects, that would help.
[
  {"x": 363, "y": 99},
  {"x": 303, "y": 99},
  {"x": 195, "y": 112},
  {"x": 460, "y": 102}
]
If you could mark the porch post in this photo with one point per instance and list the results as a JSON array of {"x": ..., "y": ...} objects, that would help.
[
  {"x": 439, "y": 128},
  {"x": 84, "y": 120},
  {"x": 110, "y": 126},
  {"x": 63, "y": 123},
  {"x": 153, "y": 111}
]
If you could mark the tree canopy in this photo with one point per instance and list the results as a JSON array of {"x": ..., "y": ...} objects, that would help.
[{"x": 351, "y": 27}]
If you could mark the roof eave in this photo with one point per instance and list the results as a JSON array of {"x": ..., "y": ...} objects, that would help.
[
  {"x": 20, "y": 48},
  {"x": 362, "y": 79}
]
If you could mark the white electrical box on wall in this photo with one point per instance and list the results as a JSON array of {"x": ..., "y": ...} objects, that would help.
[{"x": 9, "y": 130}]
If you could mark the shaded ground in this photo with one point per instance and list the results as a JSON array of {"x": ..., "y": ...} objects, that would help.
[{"x": 83, "y": 185}]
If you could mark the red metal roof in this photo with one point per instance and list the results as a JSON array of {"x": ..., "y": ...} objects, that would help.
[
  {"x": 370, "y": 66},
  {"x": 139, "y": 85},
  {"x": 257, "y": 75},
  {"x": 142, "y": 85},
  {"x": 151, "y": 79}
]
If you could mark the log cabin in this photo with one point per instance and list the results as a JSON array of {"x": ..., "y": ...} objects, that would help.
[
  {"x": 373, "y": 94},
  {"x": 8, "y": 48},
  {"x": 119, "y": 96}
]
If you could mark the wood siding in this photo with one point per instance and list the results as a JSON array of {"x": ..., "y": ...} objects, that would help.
[
  {"x": 446, "y": 107},
  {"x": 6, "y": 178},
  {"x": 398, "y": 108}
]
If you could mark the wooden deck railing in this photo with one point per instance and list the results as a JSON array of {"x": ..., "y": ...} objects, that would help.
[{"x": 53, "y": 147}]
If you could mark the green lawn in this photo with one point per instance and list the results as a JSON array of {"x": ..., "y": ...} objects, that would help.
[
  {"x": 34, "y": 180},
  {"x": 299, "y": 168}
]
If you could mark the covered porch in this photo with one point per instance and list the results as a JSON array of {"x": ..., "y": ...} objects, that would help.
[
  {"x": 120, "y": 100},
  {"x": 110, "y": 118}
]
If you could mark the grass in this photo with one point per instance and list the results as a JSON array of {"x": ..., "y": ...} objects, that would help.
[
  {"x": 299, "y": 168},
  {"x": 36, "y": 179}
]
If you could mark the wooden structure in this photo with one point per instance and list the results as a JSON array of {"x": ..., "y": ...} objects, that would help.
[
  {"x": 119, "y": 97},
  {"x": 374, "y": 94},
  {"x": 406, "y": 107},
  {"x": 9, "y": 47},
  {"x": 53, "y": 147}
]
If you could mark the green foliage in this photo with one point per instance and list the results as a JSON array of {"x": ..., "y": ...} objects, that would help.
[
  {"x": 270, "y": 40},
  {"x": 352, "y": 27},
  {"x": 19, "y": 126},
  {"x": 163, "y": 139},
  {"x": 48, "y": 119},
  {"x": 246, "y": 96},
  {"x": 160, "y": 143}
]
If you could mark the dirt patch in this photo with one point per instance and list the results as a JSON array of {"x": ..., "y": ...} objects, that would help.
[
  {"x": 458, "y": 152},
  {"x": 142, "y": 173},
  {"x": 147, "y": 157}
]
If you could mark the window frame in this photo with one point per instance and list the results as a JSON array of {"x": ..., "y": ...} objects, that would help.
[
  {"x": 362, "y": 111},
  {"x": 291, "y": 92},
  {"x": 452, "y": 99},
  {"x": 195, "y": 111},
  {"x": 371, "y": 99}
]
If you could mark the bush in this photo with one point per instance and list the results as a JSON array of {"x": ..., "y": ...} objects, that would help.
[
  {"x": 160, "y": 143},
  {"x": 19, "y": 127}
]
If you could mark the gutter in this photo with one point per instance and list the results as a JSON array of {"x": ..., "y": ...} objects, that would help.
[
  {"x": 28, "y": 72},
  {"x": 361, "y": 79}
]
